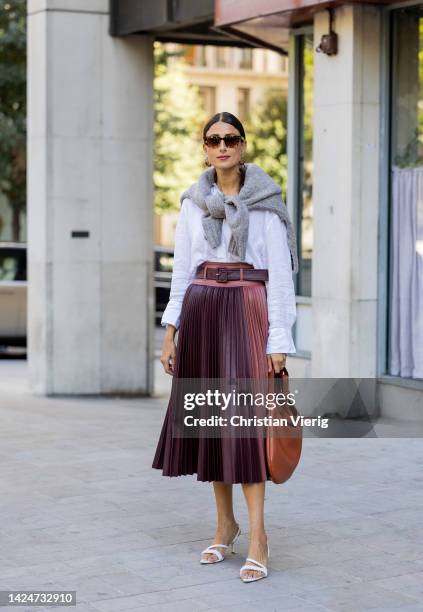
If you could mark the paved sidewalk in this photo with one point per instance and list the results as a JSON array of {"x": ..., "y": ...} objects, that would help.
[{"x": 81, "y": 509}]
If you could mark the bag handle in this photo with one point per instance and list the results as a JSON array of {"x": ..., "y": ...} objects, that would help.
[
  {"x": 282, "y": 377},
  {"x": 281, "y": 374}
]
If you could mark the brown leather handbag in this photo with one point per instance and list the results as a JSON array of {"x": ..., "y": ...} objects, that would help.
[{"x": 284, "y": 441}]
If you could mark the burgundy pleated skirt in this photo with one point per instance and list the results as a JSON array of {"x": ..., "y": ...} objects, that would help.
[{"x": 222, "y": 334}]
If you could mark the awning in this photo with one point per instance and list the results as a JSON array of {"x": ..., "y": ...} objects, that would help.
[
  {"x": 182, "y": 21},
  {"x": 267, "y": 22}
]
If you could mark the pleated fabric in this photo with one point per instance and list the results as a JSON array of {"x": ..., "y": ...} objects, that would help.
[{"x": 222, "y": 333}]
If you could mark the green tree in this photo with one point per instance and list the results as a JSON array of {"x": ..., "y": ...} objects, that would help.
[
  {"x": 266, "y": 135},
  {"x": 178, "y": 157},
  {"x": 13, "y": 107}
]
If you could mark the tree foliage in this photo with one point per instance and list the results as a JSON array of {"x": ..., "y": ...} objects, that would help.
[
  {"x": 266, "y": 135},
  {"x": 13, "y": 106},
  {"x": 178, "y": 120}
]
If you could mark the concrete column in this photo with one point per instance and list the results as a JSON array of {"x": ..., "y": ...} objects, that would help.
[
  {"x": 90, "y": 147},
  {"x": 346, "y": 195}
]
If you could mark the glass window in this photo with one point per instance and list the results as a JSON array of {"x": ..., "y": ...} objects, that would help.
[
  {"x": 265, "y": 60},
  {"x": 208, "y": 99},
  {"x": 12, "y": 264},
  {"x": 283, "y": 63},
  {"x": 305, "y": 163},
  {"x": 189, "y": 54},
  {"x": 246, "y": 61},
  {"x": 243, "y": 103},
  {"x": 221, "y": 57},
  {"x": 405, "y": 279},
  {"x": 201, "y": 55}
]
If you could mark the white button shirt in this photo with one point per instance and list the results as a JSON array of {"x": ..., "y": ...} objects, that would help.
[{"x": 267, "y": 247}]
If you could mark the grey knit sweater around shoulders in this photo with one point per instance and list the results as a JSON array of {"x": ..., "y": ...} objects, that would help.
[{"x": 259, "y": 192}]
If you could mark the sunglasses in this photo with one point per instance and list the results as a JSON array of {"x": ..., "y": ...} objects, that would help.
[{"x": 231, "y": 140}]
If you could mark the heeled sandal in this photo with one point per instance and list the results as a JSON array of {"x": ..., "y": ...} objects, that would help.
[
  {"x": 213, "y": 549},
  {"x": 258, "y": 567}
]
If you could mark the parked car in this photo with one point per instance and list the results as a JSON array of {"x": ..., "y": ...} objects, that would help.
[
  {"x": 13, "y": 289},
  {"x": 163, "y": 267},
  {"x": 13, "y": 294}
]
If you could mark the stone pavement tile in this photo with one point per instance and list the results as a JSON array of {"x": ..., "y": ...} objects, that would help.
[
  {"x": 308, "y": 512},
  {"x": 36, "y": 571},
  {"x": 385, "y": 565},
  {"x": 230, "y": 592},
  {"x": 38, "y": 520},
  {"x": 129, "y": 584},
  {"x": 407, "y": 545},
  {"x": 283, "y": 561},
  {"x": 146, "y": 601},
  {"x": 23, "y": 609},
  {"x": 186, "y": 575},
  {"x": 399, "y": 608},
  {"x": 190, "y": 531},
  {"x": 282, "y": 540},
  {"x": 304, "y": 579},
  {"x": 190, "y": 605},
  {"x": 353, "y": 500},
  {"x": 325, "y": 553},
  {"x": 359, "y": 526},
  {"x": 89, "y": 565},
  {"x": 127, "y": 542},
  {"x": 149, "y": 559},
  {"x": 130, "y": 602},
  {"x": 24, "y": 553},
  {"x": 282, "y": 603},
  {"x": 77, "y": 532},
  {"x": 163, "y": 558},
  {"x": 80, "y": 607},
  {"x": 309, "y": 532},
  {"x": 87, "y": 588},
  {"x": 409, "y": 584},
  {"x": 408, "y": 518},
  {"x": 356, "y": 597}
]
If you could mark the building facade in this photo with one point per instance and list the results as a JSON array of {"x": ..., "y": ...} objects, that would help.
[{"x": 354, "y": 189}]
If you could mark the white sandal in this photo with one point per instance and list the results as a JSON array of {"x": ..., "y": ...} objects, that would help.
[
  {"x": 259, "y": 567},
  {"x": 213, "y": 549}
]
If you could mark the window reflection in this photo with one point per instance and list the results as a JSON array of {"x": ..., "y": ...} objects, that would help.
[
  {"x": 305, "y": 165},
  {"x": 405, "y": 354}
]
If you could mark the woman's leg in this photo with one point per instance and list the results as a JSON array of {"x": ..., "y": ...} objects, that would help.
[
  {"x": 227, "y": 526},
  {"x": 254, "y": 496}
]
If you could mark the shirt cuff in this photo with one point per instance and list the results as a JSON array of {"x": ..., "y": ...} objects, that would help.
[
  {"x": 280, "y": 341},
  {"x": 171, "y": 316}
]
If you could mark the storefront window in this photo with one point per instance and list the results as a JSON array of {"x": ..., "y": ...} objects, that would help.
[
  {"x": 405, "y": 354},
  {"x": 305, "y": 164}
]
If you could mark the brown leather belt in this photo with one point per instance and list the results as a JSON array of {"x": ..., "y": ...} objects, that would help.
[{"x": 224, "y": 274}]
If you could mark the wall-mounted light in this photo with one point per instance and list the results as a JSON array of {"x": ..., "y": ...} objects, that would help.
[{"x": 329, "y": 42}]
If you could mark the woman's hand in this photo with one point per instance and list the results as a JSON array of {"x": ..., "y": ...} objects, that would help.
[
  {"x": 276, "y": 361},
  {"x": 168, "y": 356}
]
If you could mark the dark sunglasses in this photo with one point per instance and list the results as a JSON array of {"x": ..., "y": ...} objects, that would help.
[{"x": 231, "y": 140}]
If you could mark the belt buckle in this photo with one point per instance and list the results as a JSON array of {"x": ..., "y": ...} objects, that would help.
[{"x": 222, "y": 275}]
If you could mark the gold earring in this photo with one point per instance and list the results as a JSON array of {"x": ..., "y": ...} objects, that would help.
[{"x": 206, "y": 161}]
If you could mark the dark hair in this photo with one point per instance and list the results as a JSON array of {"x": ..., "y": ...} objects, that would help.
[{"x": 227, "y": 118}]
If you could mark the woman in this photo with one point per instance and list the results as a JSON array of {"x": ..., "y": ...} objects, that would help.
[{"x": 232, "y": 322}]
